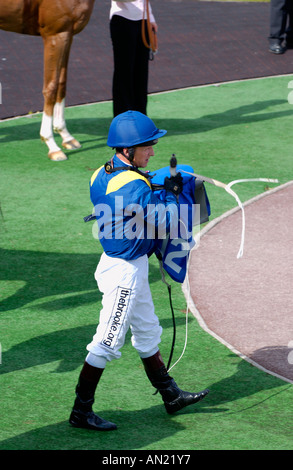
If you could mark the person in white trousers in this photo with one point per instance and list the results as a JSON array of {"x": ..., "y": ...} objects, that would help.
[{"x": 117, "y": 189}]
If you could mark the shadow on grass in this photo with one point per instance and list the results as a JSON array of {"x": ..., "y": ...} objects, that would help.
[
  {"x": 43, "y": 275},
  {"x": 99, "y": 127},
  {"x": 58, "y": 346},
  {"x": 136, "y": 429}
]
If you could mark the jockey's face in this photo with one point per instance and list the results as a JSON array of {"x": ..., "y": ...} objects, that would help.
[{"x": 142, "y": 156}]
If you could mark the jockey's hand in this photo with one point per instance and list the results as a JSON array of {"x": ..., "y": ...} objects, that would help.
[{"x": 174, "y": 184}]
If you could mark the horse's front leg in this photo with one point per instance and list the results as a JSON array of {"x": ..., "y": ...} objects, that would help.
[{"x": 56, "y": 53}]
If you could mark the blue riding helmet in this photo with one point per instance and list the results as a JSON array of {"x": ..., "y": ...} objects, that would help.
[{"x": 131, "y": 129}]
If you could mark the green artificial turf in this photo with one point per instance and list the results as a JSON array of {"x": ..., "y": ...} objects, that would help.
[{"x": 50, "y": 302}]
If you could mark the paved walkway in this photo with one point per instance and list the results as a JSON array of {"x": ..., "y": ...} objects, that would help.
[
  {"x": 246, "y": 303},
  {"x": 199, "y": 43}
]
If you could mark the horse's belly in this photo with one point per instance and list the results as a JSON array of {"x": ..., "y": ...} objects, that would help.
[{"x": 19, "y": 17}]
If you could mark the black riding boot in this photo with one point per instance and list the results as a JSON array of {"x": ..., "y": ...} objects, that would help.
[
  {"x": 174, "y": 399},
  {"x": 82, "y": 415}
]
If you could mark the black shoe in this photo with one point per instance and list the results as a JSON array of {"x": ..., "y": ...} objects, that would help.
[
  {"x": 277, "y": 48},
  {"x": 89, "y": 420},
  {"x": 173, "y": 397},
  {"x": 184, "y": 399}
]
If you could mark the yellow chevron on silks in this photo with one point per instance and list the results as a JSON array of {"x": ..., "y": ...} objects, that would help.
[
  {"x": 95, "y": 174},
  {"x": 123, "y": 178}
]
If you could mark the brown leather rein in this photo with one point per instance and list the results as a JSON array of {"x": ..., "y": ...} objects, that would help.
[{"x": 146, "y": 24}]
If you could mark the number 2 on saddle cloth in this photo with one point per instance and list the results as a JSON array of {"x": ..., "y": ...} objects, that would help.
[{"x": 194, "y": 209}]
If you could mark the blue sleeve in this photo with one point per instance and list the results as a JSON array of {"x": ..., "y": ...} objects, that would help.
[{"x": 161, "y": 214}]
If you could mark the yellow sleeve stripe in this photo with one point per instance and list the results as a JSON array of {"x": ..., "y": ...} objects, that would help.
[
  {"x": 95, "y": 174},
  {"x": 123, "y": 178}
]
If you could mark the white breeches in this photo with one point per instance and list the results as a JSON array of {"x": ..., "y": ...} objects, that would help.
[{"x": 126, "y": 303}]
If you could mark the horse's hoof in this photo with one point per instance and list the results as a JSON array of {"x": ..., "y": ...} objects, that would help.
[
  {"x": 57, "y": 156},
  {"x": 72, "y": 144}
]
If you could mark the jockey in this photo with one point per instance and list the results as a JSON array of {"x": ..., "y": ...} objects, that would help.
[{"x": 130, "y": 218}]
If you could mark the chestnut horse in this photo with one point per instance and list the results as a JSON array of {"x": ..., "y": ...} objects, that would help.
[{"x": 56, "y": 22}]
